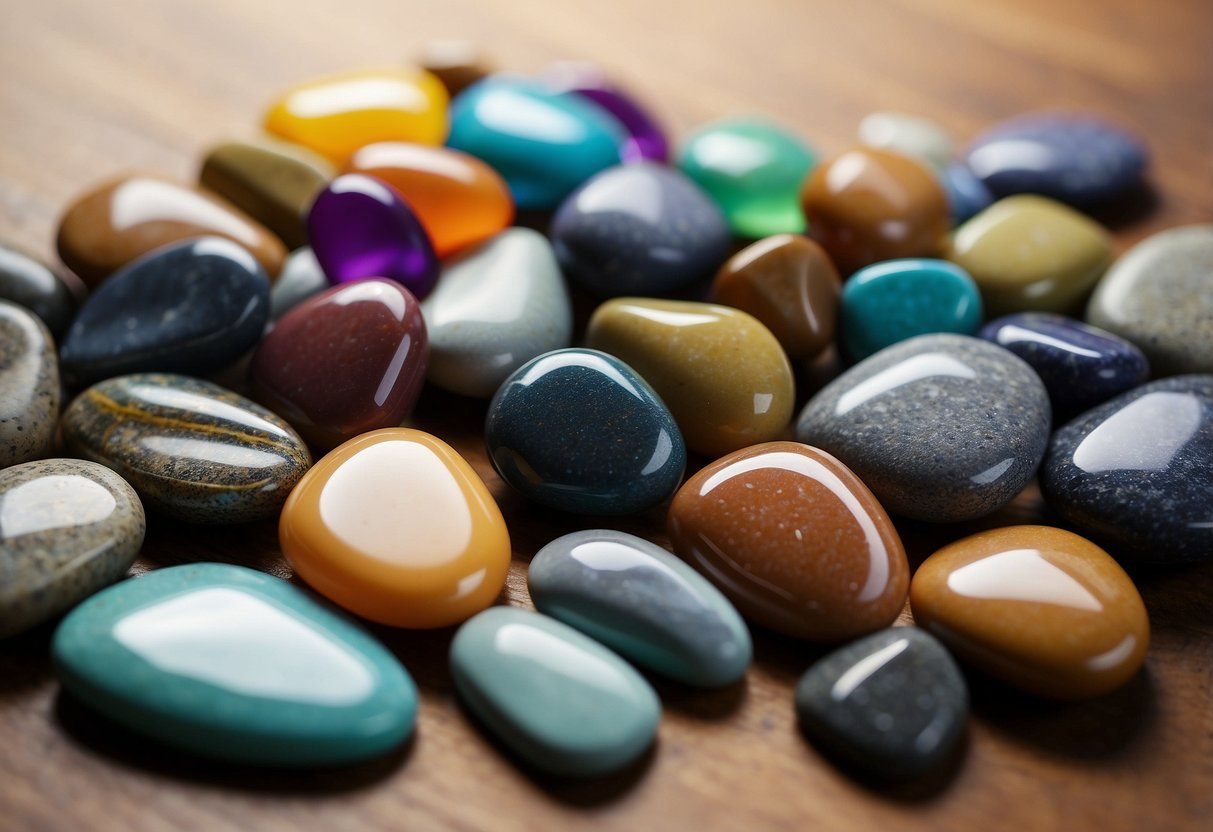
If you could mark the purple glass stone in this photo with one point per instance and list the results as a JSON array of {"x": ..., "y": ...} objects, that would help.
[
  {"x": 646, "y": 140},
  {"x": 360, "y": 227}
]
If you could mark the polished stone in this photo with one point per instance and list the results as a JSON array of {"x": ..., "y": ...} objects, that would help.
[
  {"x": 301, "y": 278},
  {"x": 967, "y": 196},
  {"x": 645, "y": 138},
  {"x": 28, "y": 282},
  {"x": 457, "y": 64},
  {"x": 29, "y": 386},
  {"x": 910, "y": 135}
]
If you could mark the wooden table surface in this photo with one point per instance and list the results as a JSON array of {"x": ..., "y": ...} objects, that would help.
[{"x": 88, "y": 90}]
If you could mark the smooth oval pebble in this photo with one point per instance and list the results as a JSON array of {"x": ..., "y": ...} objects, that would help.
[
  {"x": 719, "y": 370},
  {"x": 337, "y": 114},
  {"x": 301, "y": 278},
  {"x": 1157, "y": 296},
  {"x": 910, "y": 135},
  {"x": 1080, "y": 365},
  {"x": 891, "y": 706},
  {"x": 892, "y": 301},
  {"x": 495, "y": 308},
  {"x": 126, "y": 218},
  {"x": 789, "y": 284},
  {"x": 29, "y": 386},
  {"x": 967, "y": 196},
  {"x": 67, "y": 529},
  {"x": 237, "y": 665},
  {"x": 346, "y": 361},
  {"x": 940, "y": 427},
  {"x": 396, "y": 527},
  {"x": 644, "y": 603},
  {"x": 28, "y": 282},
  {"x": 191, "y": 449},
  {"x": 638, "y": 229},
  {"x": 578, "y": 430},
  {"x": 192, "y": 307},
  {"x": 1133, "y": 473},
  {"x": 1039, "y": 608},
  {"x": 794, "y": 539},
  {"x": 360, "y": 227},
  {"x": 556, "y": 698}
]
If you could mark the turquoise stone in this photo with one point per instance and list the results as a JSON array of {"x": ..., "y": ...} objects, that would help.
[
  {"x": 234, "y": 664},
  {"x": 544, "y": 143},
  {"x": 898, "y": 299},
  {"x": 754, "y": 170},
  {"x": 557, "y": 698},
  {"x": 644, "y": 602}
]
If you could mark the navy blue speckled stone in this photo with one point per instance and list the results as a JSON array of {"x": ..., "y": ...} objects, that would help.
[
  {"x": 639, "y": 229},
  {"x": 579, "y": 430},
  {"x": 1073, "y": 158},
  {"x": 1081, "y": 365},
  {"x": 1133, "y": 473},
  {"x": 967, "y": 196},
  {"x": 192, "y": 307}
]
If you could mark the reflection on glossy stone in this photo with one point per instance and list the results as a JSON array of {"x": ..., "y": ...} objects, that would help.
[
  {"x": 28, "y": 282},
  {"x": 29, "y": 386}
]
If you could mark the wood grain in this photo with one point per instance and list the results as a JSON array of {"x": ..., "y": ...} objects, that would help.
[{"x": 88, "y": 90}]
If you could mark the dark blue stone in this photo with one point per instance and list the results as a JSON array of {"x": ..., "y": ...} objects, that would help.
[
  {"x": 579, "y": 430},
  {"x": 191, "y": 308},
  {"x": 639, "y": 229},
  {"x": 1081, "y": 365},
  {"x": 1073, "y": 158},
  {"x": 1133, "y": 473},
  {"x": 967, "y": 195}
]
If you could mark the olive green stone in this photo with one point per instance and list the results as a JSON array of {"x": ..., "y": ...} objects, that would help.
[{"x": 29, "y": 386}]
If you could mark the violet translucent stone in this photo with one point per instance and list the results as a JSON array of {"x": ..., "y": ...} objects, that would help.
[
  {"x": 646, "y": 140},
  {"x": 360, "y": 226}
]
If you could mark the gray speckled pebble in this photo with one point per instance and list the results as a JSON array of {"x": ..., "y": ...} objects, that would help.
[
  {"x": 300, "y": 278},
  {"x": 29, "y": 386},
  {"x": 28, "y": 282},
  {"x": 940, "y": 427},
  {"x": 67, "y": 529},
  {"x": 892, "y": 705}
]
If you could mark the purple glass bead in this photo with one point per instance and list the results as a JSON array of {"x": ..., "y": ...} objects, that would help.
[
  {"x": 646, "y": 140},
  {"x": 360, "y": 226}
]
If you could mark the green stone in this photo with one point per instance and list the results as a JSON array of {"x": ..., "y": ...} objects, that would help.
[
  {"x": 237, "y": 665},
  {"x": 753, "y": 169}
]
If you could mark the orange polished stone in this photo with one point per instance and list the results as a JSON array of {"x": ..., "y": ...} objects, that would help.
[
  {"x": 869, "y": 205},
  {"x": 396, "y": 527},
  {"x": 458, "y": 198},
  {"x": 794, "y": 539},
  {"x": 126, "y": 218},
  {"x": 1037, "y": 607}
]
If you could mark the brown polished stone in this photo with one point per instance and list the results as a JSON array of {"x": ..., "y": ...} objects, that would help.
[
  {"x": 869, "y": 205},
  {"x": 456, "y": 63},
  {"x": 794, "y": 539},
  {"x": 1037, "y": 607},
  {"x": 128, "y": 217}
]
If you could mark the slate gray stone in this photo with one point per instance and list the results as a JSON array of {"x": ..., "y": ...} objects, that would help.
[
  {"x": 29, "y": 386},
  {"x": 28, "y": 282},
  {"x": 300, "y": 278}
]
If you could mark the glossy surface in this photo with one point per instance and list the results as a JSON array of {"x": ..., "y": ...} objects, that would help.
[
  {"x": 459, "y": 200},
  {"x": 192, "y": 307},
  {"x": 645, "y": 138},
  {"x": 910, "y": 135},
  {"x": 752, "y": 168},
  {"x": 638, "y": 229},
  {"x": 889, "y": 302},
  {"x": 794, "y": 539},
  {"x": 869, "y": 205},
  {"x": 126, "y": 218},
  {"x": 192, "y": 449},
  {"x": 338, "y": 114},
  {"x": 28, "y": 282},
  {"x": 644, "y": 603},
  {"x": 395, "y": 526},
  {"x": 554, "y": 697},
  {"x": 360, "y": 227},
  {"x": 1039, "y": 608},
  {"x": 29, "y": 386},
  {"x": 967, "y": 195},
  {"x": 1133, "y": 473},
  {"x": 343, "y": 362},
  {"x": 233, "y": 664},
  {"x": 1030, "y": 253},
  {"x": 789, "y": 284},
  {"x": 301, "y": 278},
  {"x": 67, "y": 528},
  {"x": 719, "y": 370},
  {"x": 579, "y": 430},
  {"x": 497, "y": 306},
  {"x": 940, "y": 427}
]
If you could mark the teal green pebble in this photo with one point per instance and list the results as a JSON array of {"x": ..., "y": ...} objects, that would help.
[
  {"x": 557, "y": 698},
  {"x": 237, "y": 665},
  {"x": 899, "y": 299},
  {"x": 753, "y": 169}
]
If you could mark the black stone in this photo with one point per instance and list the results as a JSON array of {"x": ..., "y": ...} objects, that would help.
[{"x": 31, "y": 283}]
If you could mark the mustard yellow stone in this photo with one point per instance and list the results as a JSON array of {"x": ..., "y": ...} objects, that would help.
[
  {"x": 719, "y": 370},
  {"x": 1030, "y": 253},
  {"x": 335, "y": 116}
]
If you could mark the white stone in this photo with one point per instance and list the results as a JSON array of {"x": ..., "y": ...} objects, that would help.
[{"x": 908, "y": 135}]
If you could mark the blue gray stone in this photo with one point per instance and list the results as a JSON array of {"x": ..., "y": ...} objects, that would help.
[
  {"x": 29, "y": 386},
  {"x": 300, "y": 278},
  {"x": 967, "y": 196}
]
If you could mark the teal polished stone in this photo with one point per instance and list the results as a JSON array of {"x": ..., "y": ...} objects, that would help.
[
  {"x": 643, "y": 602},
  {"x": 895, "y": 300},
  {"x": 557, "y": 698},
  {"x": 234, "y": 664},
  {"x": 543, "y": 143}
]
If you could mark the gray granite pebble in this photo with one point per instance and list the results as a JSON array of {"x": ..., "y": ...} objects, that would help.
[{"x": 29, "y": 386}]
